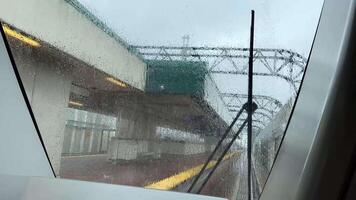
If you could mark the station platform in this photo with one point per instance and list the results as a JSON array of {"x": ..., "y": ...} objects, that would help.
[{"x": 169, "y": 172}]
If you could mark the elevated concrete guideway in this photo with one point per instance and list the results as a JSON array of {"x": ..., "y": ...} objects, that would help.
[
  {"x": 71, "y": 65},
  {"x": 59, "y": 24},
  {"x": 71, "y": 28}
]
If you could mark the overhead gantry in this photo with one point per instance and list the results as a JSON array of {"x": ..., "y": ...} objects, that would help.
[{"x": 280, "y": 63}]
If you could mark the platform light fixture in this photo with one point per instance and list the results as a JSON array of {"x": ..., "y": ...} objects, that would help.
[
  {"x": 74, "y": 103},
  {"x": 116, "y": 82},
  {"x": 12, "y": 33}
]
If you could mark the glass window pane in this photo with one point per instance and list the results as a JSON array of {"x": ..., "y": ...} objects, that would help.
[{"x": 140, "y": 92}]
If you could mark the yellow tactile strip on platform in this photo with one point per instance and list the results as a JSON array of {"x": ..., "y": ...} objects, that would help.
[{"x": 173, "y": 181}]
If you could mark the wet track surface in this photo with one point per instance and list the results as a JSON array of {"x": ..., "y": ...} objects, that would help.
[
  {"x": 143, "y": 172},
  {"x": 136, "y": 173}
]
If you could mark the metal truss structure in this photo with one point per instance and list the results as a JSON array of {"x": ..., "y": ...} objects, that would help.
[
  {"x": 267, "y": 107},
  {"x": 279, "y": 63}
]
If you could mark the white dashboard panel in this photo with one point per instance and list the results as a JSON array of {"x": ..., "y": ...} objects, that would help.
[{"x": 28, "y": 188}]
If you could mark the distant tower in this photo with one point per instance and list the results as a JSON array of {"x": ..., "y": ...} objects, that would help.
[
  {"x": 185, "y": 48},
  {"x": 186, "y": 39}
]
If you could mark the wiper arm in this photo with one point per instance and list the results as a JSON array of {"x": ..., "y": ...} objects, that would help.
[{"x": 244, "y": 107}]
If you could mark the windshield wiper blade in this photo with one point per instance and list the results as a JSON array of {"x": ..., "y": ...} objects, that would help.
[
  {"x": 227, "y": 131},
  {"x": 254, "y": 107}
]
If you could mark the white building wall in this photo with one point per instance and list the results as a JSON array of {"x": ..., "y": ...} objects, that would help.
[
  {"x": 59, "y": 24},
  {"x": 214, "y": 99},
  {"x": 47, "y": 84}
]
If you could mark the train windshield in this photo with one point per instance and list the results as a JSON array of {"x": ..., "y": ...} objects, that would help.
[{"x": 140, "y": 93}]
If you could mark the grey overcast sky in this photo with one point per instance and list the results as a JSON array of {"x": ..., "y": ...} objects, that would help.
[
  {"x": 279, "y": 23},
  {"x": 288, "y": 24}
]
